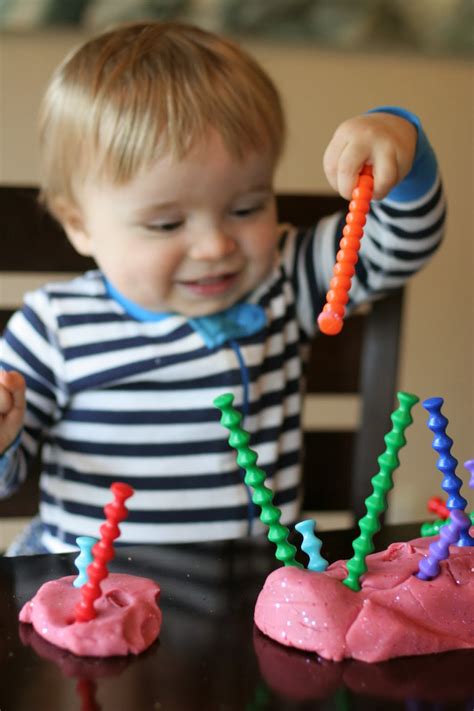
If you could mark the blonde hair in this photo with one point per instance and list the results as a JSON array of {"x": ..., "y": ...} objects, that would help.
[{"x": 132, "y": 94}]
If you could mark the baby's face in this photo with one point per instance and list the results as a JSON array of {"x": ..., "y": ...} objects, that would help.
[{"x": 192, "y": 236}]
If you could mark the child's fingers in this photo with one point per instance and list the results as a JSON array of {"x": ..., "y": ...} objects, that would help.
[
  {"x": 12, "y": 391},
  {"x": 386, "y": 173},
  {"x": 12, "y": 407},
  {"x": 6, "y": 401},
  {"x": 331, "y": 158},
  {"x": 351, "y": 162},
  {"x": 352, "y": 159},
  {"x": 385, "y": 142}
]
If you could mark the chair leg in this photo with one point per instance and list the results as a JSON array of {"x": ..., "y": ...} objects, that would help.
[{"x": 379, "y": 364}]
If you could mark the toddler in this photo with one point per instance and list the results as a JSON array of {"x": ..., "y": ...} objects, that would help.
[{"x": 159, "y": 143}]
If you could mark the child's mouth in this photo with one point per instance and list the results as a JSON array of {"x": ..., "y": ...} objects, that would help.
[{"x": 210, "y": 286}]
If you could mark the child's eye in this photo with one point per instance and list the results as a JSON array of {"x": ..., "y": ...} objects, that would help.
[
  {"x": 245, "y": 211},
  {"x": 164, "y": 226}
]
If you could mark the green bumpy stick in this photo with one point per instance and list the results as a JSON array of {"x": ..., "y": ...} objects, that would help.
[
  {"x": 254, "y": 477},
  {"x": 431, "y": 528},
  {"x": 382, "y": 482}
]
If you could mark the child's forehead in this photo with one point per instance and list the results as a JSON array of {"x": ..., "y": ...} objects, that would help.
[
  {"x": 207, "y": 157},
  {"x": 212, "y": 148}
]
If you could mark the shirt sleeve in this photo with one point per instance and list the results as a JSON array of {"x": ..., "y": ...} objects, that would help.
[
  {"x": 401, "y": 233},
  {"x": 29, "y": 346}
]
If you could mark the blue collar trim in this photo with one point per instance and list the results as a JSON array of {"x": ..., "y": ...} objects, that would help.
[
  {"x": 137, "y": 312},
  {"x": 238, "y": 321}
]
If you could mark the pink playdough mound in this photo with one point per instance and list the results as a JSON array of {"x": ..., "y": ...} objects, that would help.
[
  {"x": 128, "y": 618},
  {"x": 394, "y": 615}
]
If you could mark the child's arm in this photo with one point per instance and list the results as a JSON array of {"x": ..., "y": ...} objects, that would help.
[
  {"x": 29, "y": 392},
  {"x": 402, "y": 230}
]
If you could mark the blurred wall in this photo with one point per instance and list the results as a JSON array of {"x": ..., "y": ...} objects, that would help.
[{"x": 320, "y": 89}]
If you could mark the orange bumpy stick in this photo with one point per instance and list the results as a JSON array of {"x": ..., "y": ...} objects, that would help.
[{"x": 330, "y": 320}]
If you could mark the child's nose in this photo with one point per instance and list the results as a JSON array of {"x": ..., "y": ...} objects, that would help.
[{"x": 213, "y": 244}]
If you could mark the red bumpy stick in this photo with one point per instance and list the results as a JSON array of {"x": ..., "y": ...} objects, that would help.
[
  {"x": 103, "y": 551},
  {"x": 330, "y": 320},
  {"x": 86, "y": 690},
  {"x": 437, "y": 506}
]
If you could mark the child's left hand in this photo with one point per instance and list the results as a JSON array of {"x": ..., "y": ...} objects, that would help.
[{"x": 384, "y": 141}]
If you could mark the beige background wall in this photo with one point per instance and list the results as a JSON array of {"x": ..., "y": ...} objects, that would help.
[{"x": 320, "y": 89}]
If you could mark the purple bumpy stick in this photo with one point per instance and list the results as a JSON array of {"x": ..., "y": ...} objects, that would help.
[
  {"x": 429, "y": 566},
  {"x": 469, "y": 465},
  {"x": 446, "y": 463}
]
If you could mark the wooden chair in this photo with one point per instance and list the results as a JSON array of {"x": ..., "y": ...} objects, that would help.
[{"x": 358, "y": 367}]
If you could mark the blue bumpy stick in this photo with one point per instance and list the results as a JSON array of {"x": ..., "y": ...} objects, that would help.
[
  {"x": 429, "y": 566},
  {"x": 311, "y": 545},
  {"x": 84, "y": 559},
  {"x": 446, "y": 463}
]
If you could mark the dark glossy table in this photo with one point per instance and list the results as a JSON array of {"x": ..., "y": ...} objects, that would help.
[{"x": 209, "y": 656}]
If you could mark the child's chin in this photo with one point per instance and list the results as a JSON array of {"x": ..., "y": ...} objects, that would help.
[
  {"x": 209, "y": 309},
  {"x": 208, "y": 306}
]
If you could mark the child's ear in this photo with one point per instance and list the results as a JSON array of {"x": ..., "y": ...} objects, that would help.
[{"x": 72, "y": 221}]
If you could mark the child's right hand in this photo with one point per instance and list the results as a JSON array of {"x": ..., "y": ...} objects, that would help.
[{"x": 12, "y": 407}]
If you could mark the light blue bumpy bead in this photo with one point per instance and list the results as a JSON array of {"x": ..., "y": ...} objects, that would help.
[
  {"x": 311, "y": 545},
  {"x": 84, "y": 559}
]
